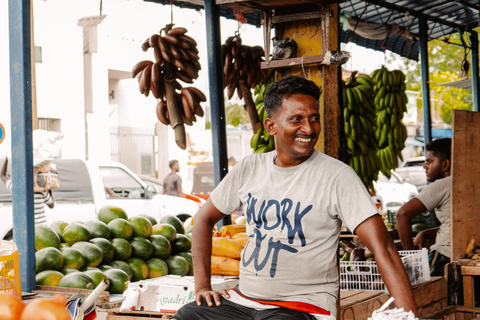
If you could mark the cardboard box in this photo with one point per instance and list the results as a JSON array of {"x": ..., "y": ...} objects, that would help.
[{"x": 168, "y": 293}]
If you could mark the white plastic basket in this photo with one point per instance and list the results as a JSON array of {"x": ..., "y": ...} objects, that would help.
[{"x": 364, "y": 275}]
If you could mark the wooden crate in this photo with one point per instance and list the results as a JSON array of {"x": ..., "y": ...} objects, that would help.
[
  {"x": 360, "y": 304},
  {"x": 455, "y": 313},
  {"x": 115, "y": 314},
  {"x": 430, "y": 296},
  {"x": 46, "y": 292}
]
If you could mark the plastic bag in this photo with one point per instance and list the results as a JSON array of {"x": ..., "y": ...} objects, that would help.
[
  {"x": 336, "y": 58},
  {"x": 47, "y": 145}
]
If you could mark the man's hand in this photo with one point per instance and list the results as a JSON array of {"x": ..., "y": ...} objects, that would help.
[
  {"x": 404, "y": 217},
  {"x": 210, "y": 296}
]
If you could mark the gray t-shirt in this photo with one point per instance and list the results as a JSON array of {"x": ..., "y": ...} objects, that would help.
[
  {"x": 171, "y": 183},
  {"x": 294, "y": 217},
  {"x": 436, "y": 196}
]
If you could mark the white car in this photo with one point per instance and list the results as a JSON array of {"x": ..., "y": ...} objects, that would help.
[
  {"x": 393, "y": 192},
  {"x": 412, "y": 171}
]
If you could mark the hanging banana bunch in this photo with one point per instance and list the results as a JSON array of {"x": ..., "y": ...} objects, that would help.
[
  {"x": 261, "y": 141},
  {"x": 359, "y": 117},
  {"x": 242, "y": 72},
  {"x": 176, "y": 58},
  {"x": 391, "y": 103}
]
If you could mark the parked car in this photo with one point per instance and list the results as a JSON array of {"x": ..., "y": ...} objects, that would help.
[
  {"x": 83, "y": 191},
  {"x": 412, "y": 171},
  {"x": 393, "y": 192}
]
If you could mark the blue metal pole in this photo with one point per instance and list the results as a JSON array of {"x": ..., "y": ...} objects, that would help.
[
  {"x": 427, "y": 120},
  {"x": 475, "y": 88},
  {"x": 22, "y": 159},
  {"x": 217, "y": 102}
]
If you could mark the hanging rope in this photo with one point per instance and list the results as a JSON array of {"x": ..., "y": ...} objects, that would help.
[
  {"x": 171, "y": 12},
  {"x": 101, "y": 6}
]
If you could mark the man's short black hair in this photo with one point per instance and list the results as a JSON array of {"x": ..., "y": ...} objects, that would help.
[
  {"x": 172, "y": 162},
  {"x": 441, "y": 148},
  {"x": 286, "y": 87}
]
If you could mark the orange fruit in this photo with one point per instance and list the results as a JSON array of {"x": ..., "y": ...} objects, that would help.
[
  {"x": 11, "y": 306},
  {"x": 47, "y": 309}
]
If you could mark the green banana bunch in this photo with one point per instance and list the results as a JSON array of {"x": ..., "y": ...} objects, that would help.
[
  {"x": 261, "y": 141},
  {"x": 359, "y": 123},
  {"x": 390, "y": 104}
]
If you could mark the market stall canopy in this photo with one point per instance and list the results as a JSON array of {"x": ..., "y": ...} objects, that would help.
[
  {"x": 444, "y": 17},
  {"x": 462, "y": 84}
]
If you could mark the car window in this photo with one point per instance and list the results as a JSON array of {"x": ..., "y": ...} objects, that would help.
[
  {"x": 418, "y": 163},
  {"x": 120, "y": 184}
]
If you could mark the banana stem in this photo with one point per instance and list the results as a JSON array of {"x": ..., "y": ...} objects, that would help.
[{"x": 250, "y": 106}]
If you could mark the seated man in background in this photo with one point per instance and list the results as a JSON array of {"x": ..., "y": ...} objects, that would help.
[{"x": 435, "y": 196}]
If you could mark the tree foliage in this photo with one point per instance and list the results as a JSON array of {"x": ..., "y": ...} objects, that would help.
[
  {"x": 235, "y": 115},
  {"x": 445, "y": 65}
]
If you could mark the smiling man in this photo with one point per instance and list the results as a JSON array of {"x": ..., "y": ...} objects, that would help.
[
  {"x": 295, "y": 200},
  {"x": 435, "y": 196}
]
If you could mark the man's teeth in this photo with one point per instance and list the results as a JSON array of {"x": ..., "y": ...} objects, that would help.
[{"x": 303, "y": 139}]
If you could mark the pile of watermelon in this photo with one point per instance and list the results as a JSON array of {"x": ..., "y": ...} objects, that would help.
[{"x": 120, "y": 249}]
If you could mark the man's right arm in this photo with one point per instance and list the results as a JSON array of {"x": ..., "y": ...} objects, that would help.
[
  {"x": 404, "y": 217},
  {"x": 204, "y": 221}
]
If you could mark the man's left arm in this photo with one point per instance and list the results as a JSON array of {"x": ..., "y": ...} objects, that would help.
[
  {"x": 179, "y": 187},
  {"x": 374, "y": 235}
]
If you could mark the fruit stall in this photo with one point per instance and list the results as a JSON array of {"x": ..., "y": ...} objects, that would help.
[{"x": 363, "y": 127}]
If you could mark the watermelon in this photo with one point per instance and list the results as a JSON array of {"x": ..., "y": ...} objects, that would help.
[
  {"x": 141, "y": 248},
  {"x": 45, "y": 237},
  {"x": 78, "y": 280},
  {"x": 123, "y": 249},
  {"x": 117, "y": 279},
  {"x": 93, "y": 254},
  {"x": 90, "y": 269},
  {"x": 122, "y": 265},
  {"x": 48, "y": 259},
  {"x": 161, "y": 246},
  {"x": 107, "y": 249},
  {"x": 66, "y": 271},
  {"x": 75, "y": 232},
  {"x": 156, "y": 268},
  {"x": 120, "y": 228},
  {"x": 417, "y": 227},
  {"x": 98, "y": 229},
  {"x": 97, "y": 276},
  {"x": 152, "y": 220},
  {"x": 177, "y": 265},
  {"x": 139, "y": 268},
  {"x": 174, "y": 221},
  {"x": 166, "y": 230},
  {"x": 181, "y": 244},
  {"x": 59, "y": 226},
  {"x": 141, "y": 226},
  {"x": 72, "y": 258},
  {"x": 109, "y": 213},
  {"x": 188, "y": 257},
  {"x": 48, "y": 278},
  {"x": 104, "y": 267},
  {"x": 64, "y": 245}
]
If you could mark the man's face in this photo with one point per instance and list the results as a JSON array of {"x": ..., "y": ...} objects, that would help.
[
  {"x": 433, "y": 167},
  {"x": 176, "y": 167},
  {"x": 296, "y": 126}
]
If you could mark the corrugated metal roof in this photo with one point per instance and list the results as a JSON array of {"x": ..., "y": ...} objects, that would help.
[{"x": 444, "y": 17}]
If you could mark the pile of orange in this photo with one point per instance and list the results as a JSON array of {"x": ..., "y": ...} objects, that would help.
[{"x": 13, "y": 308}]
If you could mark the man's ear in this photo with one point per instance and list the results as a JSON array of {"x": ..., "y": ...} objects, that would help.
[
  {"x": 446, "y": 165},
  {"x": 269, "y": 125}
]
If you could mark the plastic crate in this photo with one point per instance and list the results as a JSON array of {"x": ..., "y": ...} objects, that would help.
[
  {"x": 364, "y": 275},
  {"x": 10, "y": 274}
]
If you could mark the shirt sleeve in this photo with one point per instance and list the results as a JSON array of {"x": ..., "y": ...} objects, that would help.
[
  {"x": 47, "y": 198},
  {"x": 432, "y": 195},
  {"x": 225, "y": 197},
  {"x": 353, "y": 202}
]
